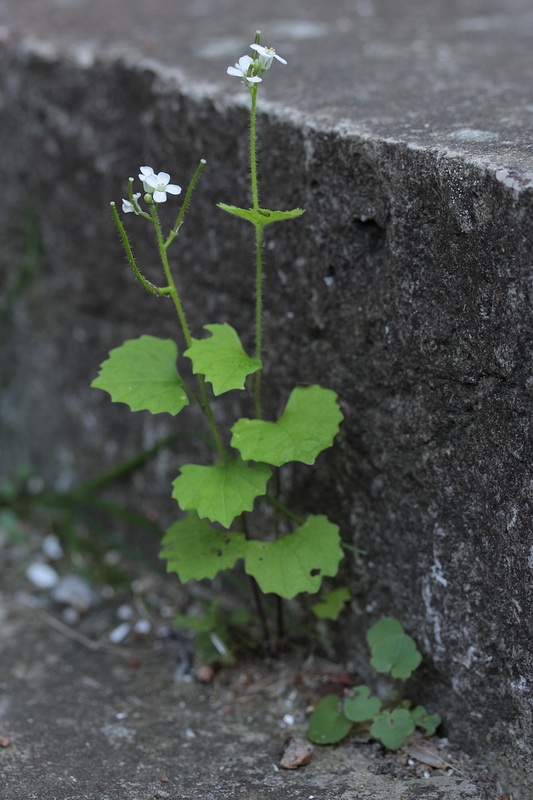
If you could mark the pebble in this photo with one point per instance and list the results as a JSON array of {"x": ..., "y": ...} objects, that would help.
[
  {"x": 75, "y": 592},
  {"x": 125, "y": 612},
  {"x": 52, "y": 547},
  {"x": 119, "y": 633},
  {"x": 42, "y": 575},
  {"x": 142, "y": 626}
]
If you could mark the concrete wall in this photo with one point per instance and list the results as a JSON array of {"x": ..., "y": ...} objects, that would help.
[{"x": 406, "y": 287}]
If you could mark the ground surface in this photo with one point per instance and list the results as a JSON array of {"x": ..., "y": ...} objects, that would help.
[{"x": 129, "y": 720}]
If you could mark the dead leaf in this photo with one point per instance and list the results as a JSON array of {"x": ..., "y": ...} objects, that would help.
[{"x": 425, "y": 756}]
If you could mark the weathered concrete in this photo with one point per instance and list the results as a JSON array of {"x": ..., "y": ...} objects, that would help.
[{"x": 403, "y": 129}]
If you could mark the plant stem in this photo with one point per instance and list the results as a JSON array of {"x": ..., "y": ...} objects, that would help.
[
  {"x": 185, "y": 205},
  {"x": 257, "y": 594},
  {"x": 258, "y": 254},
  {"x": 284, "y": 510},
  {"x": 205, "y": 405}
]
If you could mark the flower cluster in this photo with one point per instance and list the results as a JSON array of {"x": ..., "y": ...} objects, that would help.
[
  {"x": 155, "y": 184},
  {"x": 250, "y": 69}
]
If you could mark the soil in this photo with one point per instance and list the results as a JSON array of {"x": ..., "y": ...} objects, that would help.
[{"x": 82, "y": 716}]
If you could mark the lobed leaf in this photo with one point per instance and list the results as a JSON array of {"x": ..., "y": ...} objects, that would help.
[
  {"x": 261, "y": 216},
  {"x": 428, "y": 722},
  {"x": 330, "y": 605},
  {"x": 308, "y": 425},
  {"x": 361, "y": 706},
  {"x": 392, "y": 727},
  {"x": 328, "y": 724},
  {"x": 221, "y": 359},
  {"x": 396, "y": 654},
  {"x": 142, "y": 373},
  {"x": 196, "y": 550},
  {"x": 388, "y": 626},
  {"x": 220, "y": 492},
  {"x": 298, "y": 561}
]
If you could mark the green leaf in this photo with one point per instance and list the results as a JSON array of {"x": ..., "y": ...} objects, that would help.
[
  {"x": 388, "y": 626},
  {"x": 330, "y": 605},
  {"x": 195, "y": 550},
  {"x": 261, "y": 216},
  {"x": 220, "y": 492},
  {"x": 392, "y": 728},
  {"x": 428, "y": 722},
  {"x": 308, "y": 425},
  {"x": 327, "y": 724},
  {"x": 221, "y": 359},
  {"x": 298, "y": 561},
  {"x": 361, "y": 706},
  {"x": 142, "y": 373},
  {"x": 396, "y": 654}
]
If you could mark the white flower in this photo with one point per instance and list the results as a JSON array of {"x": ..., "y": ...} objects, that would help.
[
  {"x": 128, "y": 207},
  {"x": 266, "y": 55},
  {"x": 240, "y": 70},
  {"x": 158, "y": 184}
]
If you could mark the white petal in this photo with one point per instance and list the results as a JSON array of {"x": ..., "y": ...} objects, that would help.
[
  {"x": 163, "y": 177},
  {"x": 127, "y": 207},
  {"x": 253, "y": 80},
  {"x": 234, "y": 71},
  {"x": 145, "y": 171},
  {"x": 244, "y": 62},
  {"x": 173, "y": 189},
  {"x": 150, "y": 182},
  {"x": 259, "y": 48},
  {"x": 160, "y": 197},
  {"x": 280, "y": 58}
]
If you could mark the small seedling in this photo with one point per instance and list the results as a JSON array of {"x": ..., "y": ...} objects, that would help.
[{"x": 395, "y": 653}]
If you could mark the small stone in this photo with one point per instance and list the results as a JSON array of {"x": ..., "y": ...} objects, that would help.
[
  {"x": 125, "y": 612},
  {"x": 142, "y": 626},
  {"x": 42, "y": 575},
  {"x": 52, "y": 547},
  {"x": 75, "y": 592},
  {"x": 119, "y": 633},
  {"x": 205, "y": 673},
  {"x": 296, "y": 753}
]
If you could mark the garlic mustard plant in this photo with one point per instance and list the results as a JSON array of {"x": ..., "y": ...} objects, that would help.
[{"x": 217, "y": 528}]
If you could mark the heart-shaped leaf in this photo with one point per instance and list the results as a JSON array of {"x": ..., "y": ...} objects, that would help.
[
  {"x": 328, "y": 724},
  {"x": 428, "y": 722},
  {"x": 220, "y": 492},
  {"x": 396, "y": 654},
  {"x": 361, "y": 706},
  {"x": 195, "y": 550},
  {"x": 308, "y": 425},
  {"x": 142, "y": 373},
  {"x": 388, "y": 626},
  {"x": 298, "y": 561},
  {"x": 392, "y": 728},
  {"x": 221, "y": 359}
]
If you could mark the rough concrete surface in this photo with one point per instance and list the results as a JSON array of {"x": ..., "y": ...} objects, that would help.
[
  {"x": 127, "y": 722},
  {"x": 403, "y": 128}
]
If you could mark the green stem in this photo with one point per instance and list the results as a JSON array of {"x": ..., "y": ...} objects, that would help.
[
  {"x": 183, "y": 210},
  {"x": 258, "y": 254},
  {"x": 284, "y": 510},
  {"x": 253, "y": 157},
  {"x": 131, "y": 258},
  {"x": 205, "y": 405},
  {"x": 136, "y": 461},
  {"x": 258, "y": 315}
]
